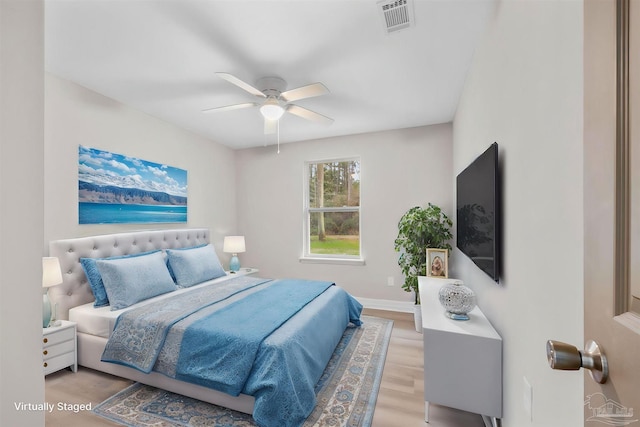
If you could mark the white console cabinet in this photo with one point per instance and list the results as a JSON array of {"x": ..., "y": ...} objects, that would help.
[{"x": 462, "y": 359}]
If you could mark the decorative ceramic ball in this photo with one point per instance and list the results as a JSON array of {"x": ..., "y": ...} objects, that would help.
[{"x": 457, "y": 300}]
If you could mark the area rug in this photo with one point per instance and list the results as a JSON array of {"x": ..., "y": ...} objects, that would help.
[{"x": 346, "y": 393}]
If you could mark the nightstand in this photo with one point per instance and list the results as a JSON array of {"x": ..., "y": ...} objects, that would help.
[
  {"x": 59, "y": 347},
  {"x": 244, "y": 272}
]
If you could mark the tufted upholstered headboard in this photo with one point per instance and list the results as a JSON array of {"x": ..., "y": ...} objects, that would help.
[{"x": 75, "y": 289}]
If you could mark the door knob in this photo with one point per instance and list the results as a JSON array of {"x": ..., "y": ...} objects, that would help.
[{"x": 567, "y": 357}]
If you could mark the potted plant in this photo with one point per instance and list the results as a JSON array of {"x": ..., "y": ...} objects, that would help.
[{"x": 419, "y": 229}]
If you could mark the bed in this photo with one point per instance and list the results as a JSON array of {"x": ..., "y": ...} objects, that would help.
[{"x": 198, "y": 322}]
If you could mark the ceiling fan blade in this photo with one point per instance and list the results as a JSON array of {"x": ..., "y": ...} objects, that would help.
[
  {"x": 308, "y": 91},
  {"x": 270, "y": 126},
  {"x": 308, "y": 114},
  {"x": 230, "y": 107},
  {"x": 242, "y": 85}
]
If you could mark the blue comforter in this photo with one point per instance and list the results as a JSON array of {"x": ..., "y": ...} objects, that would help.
[{"x": 263, "y": 344}]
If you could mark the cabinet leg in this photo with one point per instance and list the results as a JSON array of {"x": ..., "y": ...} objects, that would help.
[
  {"x": 426, "y": 412},
  {"x": 491, "y": 421}
]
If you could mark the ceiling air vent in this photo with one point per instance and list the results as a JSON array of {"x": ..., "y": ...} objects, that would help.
[{"x": 396, "y": 14}]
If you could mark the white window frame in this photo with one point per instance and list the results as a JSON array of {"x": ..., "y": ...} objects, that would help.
[{"x": 307, "y": 256}]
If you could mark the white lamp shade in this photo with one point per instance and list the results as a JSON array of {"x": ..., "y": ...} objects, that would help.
[
  {"x": 271, "y": 109},
  {"x": 233, "y": 244},
  {"x": 51, "y": 272}
]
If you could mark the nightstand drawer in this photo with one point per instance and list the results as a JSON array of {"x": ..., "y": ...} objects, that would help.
[
  {"x": 58, "y": 362},
  {"x": 58, "y": 349},
  {"x": 57, "y": 337}
]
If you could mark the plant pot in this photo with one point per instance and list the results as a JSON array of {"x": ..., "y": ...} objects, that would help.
[{"x": 417, "y": 317}]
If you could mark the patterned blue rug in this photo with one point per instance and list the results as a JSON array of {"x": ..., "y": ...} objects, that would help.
[{"x": 346, "y": 393}]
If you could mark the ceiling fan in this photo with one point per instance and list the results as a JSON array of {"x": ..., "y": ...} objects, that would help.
[{"x": 275, "y": 100}]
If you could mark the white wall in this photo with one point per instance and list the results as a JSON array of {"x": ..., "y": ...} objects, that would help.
[
  {"x": 400, "y": 169},
  {"x": 21, "y": 210},
  {"x": 524, "y": 91},
  {"x": 76, "y": 115}
]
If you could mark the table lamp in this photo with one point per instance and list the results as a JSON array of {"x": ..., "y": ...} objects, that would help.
[
  {"x": 51, "y": 276},
  {"x": 234, "y": 245}
]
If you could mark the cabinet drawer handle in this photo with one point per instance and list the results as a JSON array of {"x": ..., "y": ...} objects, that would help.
[
  {"x": 46, "y": 340},
  {"x": 45, "y": 352},
  {"x": 45, "y": 364}
]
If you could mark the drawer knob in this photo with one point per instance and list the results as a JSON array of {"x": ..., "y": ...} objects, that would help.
[
  {"x": 45, "y": 364},
  {"x": 45, "y": 352},
  {"x": 46, "y": 340}
]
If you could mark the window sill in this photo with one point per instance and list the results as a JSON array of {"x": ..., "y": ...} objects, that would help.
[{"x": 330, "y": 260}]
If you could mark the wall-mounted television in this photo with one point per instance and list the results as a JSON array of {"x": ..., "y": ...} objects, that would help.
[{"x": 478, "y": 221}]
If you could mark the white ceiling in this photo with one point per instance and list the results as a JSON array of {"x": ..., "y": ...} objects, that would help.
[{"x": 160, "y": 56}]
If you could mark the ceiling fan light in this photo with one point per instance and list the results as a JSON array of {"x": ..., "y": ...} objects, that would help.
[{"x": 271, "y": 109}]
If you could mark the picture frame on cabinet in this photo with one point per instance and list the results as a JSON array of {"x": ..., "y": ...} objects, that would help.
[{"x": 437, "y": 263}]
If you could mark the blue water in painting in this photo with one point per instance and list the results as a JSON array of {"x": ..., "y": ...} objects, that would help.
[{"x": 106, "y": 213}]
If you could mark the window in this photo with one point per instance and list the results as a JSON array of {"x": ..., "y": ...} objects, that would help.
[{"x": 332, "y": 208}]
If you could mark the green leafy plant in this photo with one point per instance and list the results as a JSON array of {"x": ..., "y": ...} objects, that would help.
[{"x": 419, "y": 229}]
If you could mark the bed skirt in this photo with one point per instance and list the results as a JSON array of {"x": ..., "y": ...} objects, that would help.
[{"x": 91, "y": 347}]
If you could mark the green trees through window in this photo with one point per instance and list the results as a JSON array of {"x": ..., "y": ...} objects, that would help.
[{"x": 333, "y": 208}]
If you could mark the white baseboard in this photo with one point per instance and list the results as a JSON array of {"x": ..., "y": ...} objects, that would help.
[{"x": 385, "y": 304}]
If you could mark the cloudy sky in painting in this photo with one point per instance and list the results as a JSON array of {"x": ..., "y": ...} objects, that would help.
[{"x": 106, "y": 168}]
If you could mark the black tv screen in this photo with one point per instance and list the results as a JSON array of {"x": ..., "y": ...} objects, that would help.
[{"x": 478, "y": 212}]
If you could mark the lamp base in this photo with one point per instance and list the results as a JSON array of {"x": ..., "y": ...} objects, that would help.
[
  {"x": 234, "y": 264},
  {"x": 46, "y": 309}
]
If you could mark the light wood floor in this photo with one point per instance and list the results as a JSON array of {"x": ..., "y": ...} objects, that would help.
[{"x": 399, "y": 400}]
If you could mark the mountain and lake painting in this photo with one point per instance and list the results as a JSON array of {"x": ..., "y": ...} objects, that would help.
[{"x": 113, "y": 188}]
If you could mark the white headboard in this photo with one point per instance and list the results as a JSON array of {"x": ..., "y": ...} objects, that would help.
[{"x": 75, "y": 289}]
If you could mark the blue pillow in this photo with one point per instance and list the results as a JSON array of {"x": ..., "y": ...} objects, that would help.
[
  {"x": 134, "y": 279},
  {"x": 194, "y": 265},
  {"x": 173, "y": 276},
  {"x": 95, "y": 281}
]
